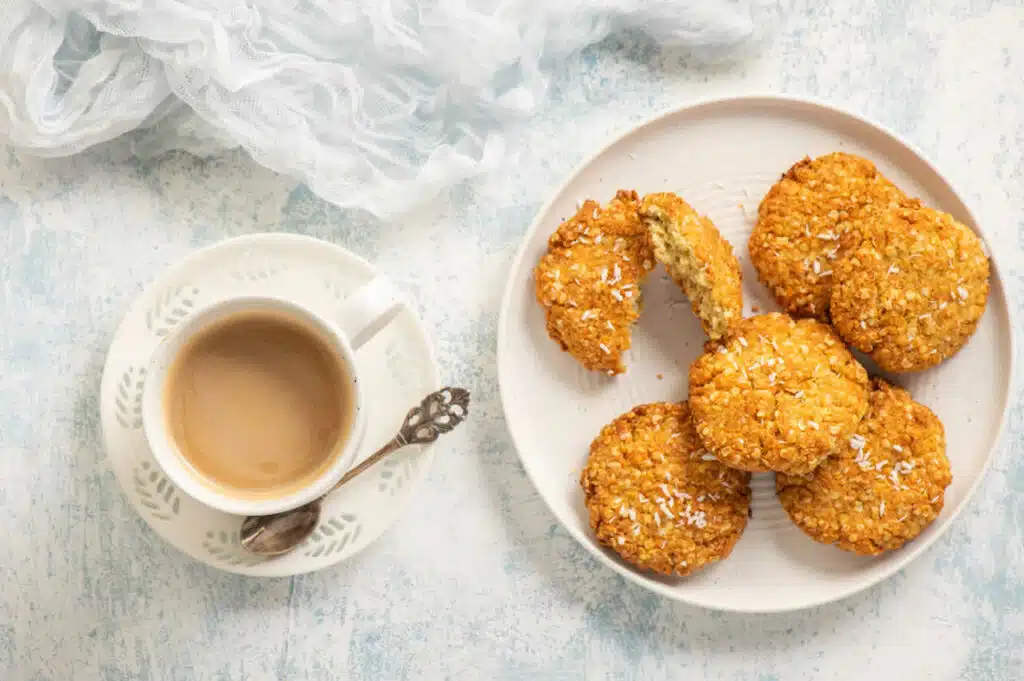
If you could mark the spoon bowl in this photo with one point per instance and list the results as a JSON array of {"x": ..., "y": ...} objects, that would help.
[{"x": 278, "y": 534}]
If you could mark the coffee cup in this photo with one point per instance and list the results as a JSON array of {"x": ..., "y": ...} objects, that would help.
[{"x": 254, "y": 405}]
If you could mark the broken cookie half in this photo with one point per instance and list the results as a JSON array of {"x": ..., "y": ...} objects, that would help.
[
  {"x": 698, "y": 258},
  {"x": 588, "y": 282}
]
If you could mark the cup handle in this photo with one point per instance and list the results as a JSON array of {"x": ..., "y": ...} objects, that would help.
[{"x": 367, "y": 311}]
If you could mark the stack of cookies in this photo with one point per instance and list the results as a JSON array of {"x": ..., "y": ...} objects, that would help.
[{"x": 853, "y": 261}]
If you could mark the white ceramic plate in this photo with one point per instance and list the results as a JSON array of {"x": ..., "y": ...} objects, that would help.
[
  {"x": 398, "y": 362},
  {"x": 722, "y": 156}
]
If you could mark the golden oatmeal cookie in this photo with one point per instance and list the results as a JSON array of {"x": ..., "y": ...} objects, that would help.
[
  {"x": 777, "y": 394},
  {"x": 589, "y": 281},
  {"x": 810, "y": 218},
  {"x": 912, "y": 294},
  {"x": 883, "y": 488},
  {"x": 657, "y": 498},
  {"x": 698, "y": 258}
]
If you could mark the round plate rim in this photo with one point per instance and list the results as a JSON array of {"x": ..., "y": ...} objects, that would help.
[
  {"x": 265, "y": 239},
  {"x": 910, "y": 552}
]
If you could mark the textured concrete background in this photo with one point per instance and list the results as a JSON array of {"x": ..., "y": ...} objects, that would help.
[{"x": 477, "y": 581}]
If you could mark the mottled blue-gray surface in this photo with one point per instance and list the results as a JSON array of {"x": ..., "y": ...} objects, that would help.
[{"x": 477, "y": 581}]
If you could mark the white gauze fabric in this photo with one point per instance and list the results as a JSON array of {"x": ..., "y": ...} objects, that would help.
[{"x": 376, "y": 104}]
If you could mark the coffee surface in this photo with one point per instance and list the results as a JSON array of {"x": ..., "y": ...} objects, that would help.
[{"x": 258, "y": 404}]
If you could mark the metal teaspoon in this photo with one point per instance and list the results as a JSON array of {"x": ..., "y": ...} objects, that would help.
[{"x": 277, "y": 534}]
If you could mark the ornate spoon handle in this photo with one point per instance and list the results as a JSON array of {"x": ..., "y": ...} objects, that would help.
[{"x": 438, "y": 413}]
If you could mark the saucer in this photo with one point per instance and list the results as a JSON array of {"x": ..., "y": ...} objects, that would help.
[{"x": 399, "y": 361}]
